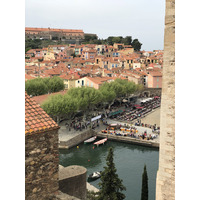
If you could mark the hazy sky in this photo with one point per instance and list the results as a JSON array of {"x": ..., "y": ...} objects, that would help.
[{"x": 142, "y": 19}]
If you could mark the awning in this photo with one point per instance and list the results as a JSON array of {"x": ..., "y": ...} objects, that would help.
[
  {"x": 156, "y": 97},
  {"x": 139, "y": 107},
  {"x": 115, "y": 113}
]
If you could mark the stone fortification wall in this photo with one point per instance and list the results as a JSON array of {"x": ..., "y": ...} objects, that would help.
[
  {"x": 165, "y": 185},
  {"x": 41, "y": 165},
  {"x": 72, "y": 181},
  {"x": 77, "y": 139}
]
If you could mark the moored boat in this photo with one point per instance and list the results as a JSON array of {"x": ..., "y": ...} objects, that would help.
[
  {"x": 94, "y": 176},
  {"x": 92, "y": 139},
  {"x": 101, "y": 141}
]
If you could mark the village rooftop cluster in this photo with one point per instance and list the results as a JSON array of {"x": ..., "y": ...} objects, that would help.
[{"x": 91, "y": 65}]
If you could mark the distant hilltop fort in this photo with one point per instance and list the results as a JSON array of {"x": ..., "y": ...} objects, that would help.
[{"x": 69, "y": 35}]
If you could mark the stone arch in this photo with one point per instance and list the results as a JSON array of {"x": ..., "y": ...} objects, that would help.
[{"x": 146, "y": 93}]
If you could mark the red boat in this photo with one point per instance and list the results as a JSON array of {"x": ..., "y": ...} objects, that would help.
[{"x": 101, "y": 141}]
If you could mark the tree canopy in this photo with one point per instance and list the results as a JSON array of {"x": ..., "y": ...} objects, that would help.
[
  {"x": 85, "y": 99},
  {"x": 40, "y": 86},
  {"x": 111, "y": 186},
  {"x": 61, "y": 106},
  {"x": 136, "y": 45}
]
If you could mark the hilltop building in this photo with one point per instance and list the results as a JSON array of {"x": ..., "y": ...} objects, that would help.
[{"x": 68, "y": 35}]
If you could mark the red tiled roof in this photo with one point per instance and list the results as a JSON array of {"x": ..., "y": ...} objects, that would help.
[
  {"x": 29, "y": 77},
  {"x": 53, "y": 29},
  {"x": 155, "y": 73},
  {"x": 36, "y": 119}
]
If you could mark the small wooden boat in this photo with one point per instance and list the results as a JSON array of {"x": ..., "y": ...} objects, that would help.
[
  {"x": 101, "y": 141},
  {"x": 92, "y": 139},
  {"x": 94, "y": 176}
]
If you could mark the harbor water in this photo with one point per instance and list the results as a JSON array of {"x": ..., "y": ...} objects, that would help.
[{"x": 129, "y": 160}]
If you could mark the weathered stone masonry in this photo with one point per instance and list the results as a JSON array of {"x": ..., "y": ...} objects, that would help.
[
  {"x": 41, "y": 165},
  {"x": 41, "y": 153},
  {"x": 165, "y": 185}
]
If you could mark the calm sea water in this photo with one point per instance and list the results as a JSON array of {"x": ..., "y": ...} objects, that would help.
[{"x": 129, "y": 160}]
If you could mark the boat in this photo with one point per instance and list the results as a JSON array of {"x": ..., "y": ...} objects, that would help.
[
  {"x": 101, "y": 141},
  {"x": 94, "y": 176},
  {"x": 92, "y": 139}
]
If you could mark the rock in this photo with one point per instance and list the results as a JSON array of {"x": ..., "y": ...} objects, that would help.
[
  {"x": 32, "y": 162},
  {"x": 34, "y": 190},
  {"x": 38, "y": 150}
]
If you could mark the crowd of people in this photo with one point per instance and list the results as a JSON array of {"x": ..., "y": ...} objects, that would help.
[
  {"x": 135, "y": 111},
  {"x": 154, "y": 127},
  {"x": 78, "y": 125},
  {"x": 128, "y": 131}
]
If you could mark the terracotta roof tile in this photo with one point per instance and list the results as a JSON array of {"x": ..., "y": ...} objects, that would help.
[{"x": 38, "y": 120}]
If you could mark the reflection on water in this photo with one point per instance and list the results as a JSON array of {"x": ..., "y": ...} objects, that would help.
[{"x": 129, "y": 160}]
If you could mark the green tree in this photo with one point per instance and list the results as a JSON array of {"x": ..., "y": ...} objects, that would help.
[
  {"x": 118, "y": 88},
  {"x": 40, "y": 86},
  {"x": 36, "y": 87},
  {"x": 136, "y": 45},
  {"x": 144, "y": 194},
  {"x": 111, "y": 186},
  {"x": 110, "y": 40},
  {"x": 131, "y": 88},
  {"x": 88, "y": 98},
  {"x": 116, "y": 40},
  {"x": 55, "y": 84},
  {"x": 60, "y": 107},
  {"x": 127, "y": 40},
  {"x": 108, "y": 94}
]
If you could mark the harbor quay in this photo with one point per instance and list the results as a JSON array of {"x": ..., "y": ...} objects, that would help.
[{"x": 69, "y": 139}]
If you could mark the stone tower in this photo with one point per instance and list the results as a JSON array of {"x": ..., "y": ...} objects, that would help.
[{"x": 165, "y": 184}]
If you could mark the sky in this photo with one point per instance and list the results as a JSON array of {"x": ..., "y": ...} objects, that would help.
[{"x": 141, "y": 19}]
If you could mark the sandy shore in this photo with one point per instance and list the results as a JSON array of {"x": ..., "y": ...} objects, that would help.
[{"x": 152, "y": 118}]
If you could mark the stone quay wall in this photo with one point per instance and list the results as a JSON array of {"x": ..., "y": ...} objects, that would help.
[
  {"x": 77, "y": 139},
  {"x": 123, "y": 139},
  {"x": 72, "y": 181},
  {"x": 41, "y": 165},
  {"x": 165, "y": 183}
]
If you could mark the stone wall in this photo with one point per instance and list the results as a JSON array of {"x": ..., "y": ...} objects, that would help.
[
  {"x": 72, "y": 181},
  {"x": 147, "y": 143},
  {"x": 77, "y": 139},
  {"x": 165, "y": 184},
  {"x": 152, "y": 91},
  {"x": 41, "y": 165}
]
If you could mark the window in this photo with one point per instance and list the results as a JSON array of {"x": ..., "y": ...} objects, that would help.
[
  {"x": 115, "y": 65},
  {"x": 78, "y": 81},
  {"x": 91, "y": 84},
  {"x": 87, "y": 83},
  {"x": 112, "y": 65}
]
